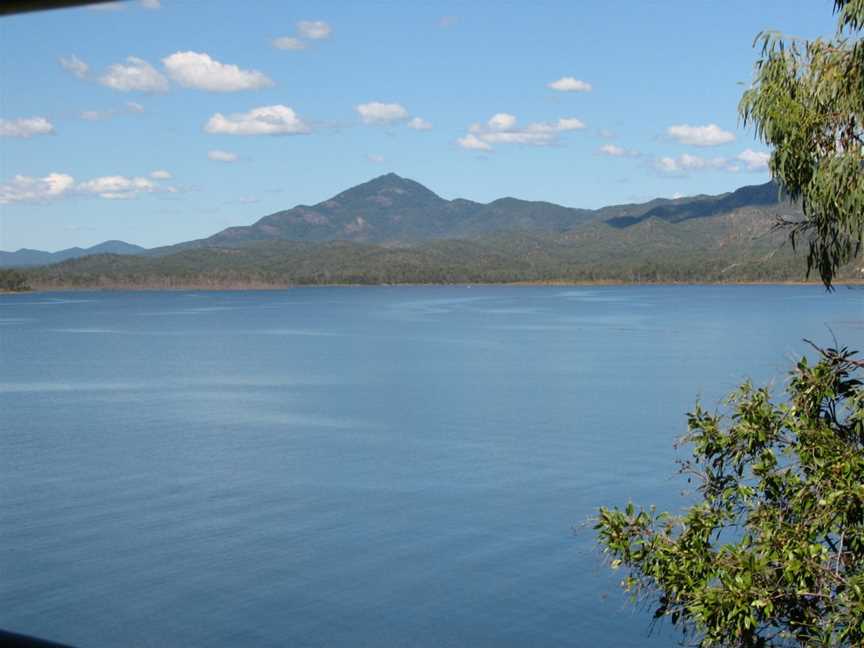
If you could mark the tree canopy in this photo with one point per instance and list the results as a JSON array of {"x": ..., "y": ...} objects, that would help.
[
  {"x": 773, "y": 554},
  {"x": 807, "y": 103}
]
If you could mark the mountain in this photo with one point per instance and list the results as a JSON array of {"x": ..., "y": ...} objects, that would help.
[
  {"x": 391, "y": 209},
  {"x": 395, "y": 230},
  {"x": 765, "y": 195},
  {"x": 26, "y": 257}
]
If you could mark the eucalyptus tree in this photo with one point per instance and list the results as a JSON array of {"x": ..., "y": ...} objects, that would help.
[{"x": 772, "y": 551}]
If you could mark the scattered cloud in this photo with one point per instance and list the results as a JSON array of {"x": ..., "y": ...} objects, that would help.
[
  {"x": 25, "y": 127},
  {"x": 314, "y": 29},
  {"x": 74, "y": 65},
  {"x": 569, "y": 84},
  {"x": 677, "y": 195},
  {"x": 150, "y": 4},
  {"x": 710, "y": 135},
  {"x": 118, "y": 187},
  {"x": 605, "y": 133},
  {"x": 502, "y": 121},
  {"x": 130, "y": 107},
  {"x": 198, "y": 70},
  {"x": 289, "y": 43},
  {"x": 221, "y": 156},
  {"x": 376, "y": 112},
  {"x": 446, "y": 22},
  {"x": 418, "y": 123},
  {"x": 266, "y": 120},
  {"x": 502, "y": 128},
  {"x": 684, "y": 163},
  {"x": 136, "y": 75},
  {"x": 377, "y": 159},
  {"x": 617, "y": 151},
  {"x": 26, "y": 189},
  {"x": 473, "y": 143},
  {"x": 306, "y": 29},
  {"x": 248, "y": 200},
  {"x": 754, "y": 160},
  {"x": 161, "y": 174},
  {"x": 749, "y": 159}
]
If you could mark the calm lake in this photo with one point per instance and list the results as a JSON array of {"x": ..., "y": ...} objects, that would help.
[{"x": 402, "y": 466}]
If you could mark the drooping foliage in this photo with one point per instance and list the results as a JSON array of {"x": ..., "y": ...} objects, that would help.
[{"x": 807, "y": 103}]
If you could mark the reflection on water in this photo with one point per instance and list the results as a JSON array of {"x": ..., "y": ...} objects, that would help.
[{"x": 369, "y": 466}]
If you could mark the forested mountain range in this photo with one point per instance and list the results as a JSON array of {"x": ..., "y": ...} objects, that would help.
[
  {"x": 395, "y": 230},
  {"x": 392, "y": 209}
]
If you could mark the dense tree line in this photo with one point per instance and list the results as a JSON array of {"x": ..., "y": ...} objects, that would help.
[{"x": 13, "y": 280}]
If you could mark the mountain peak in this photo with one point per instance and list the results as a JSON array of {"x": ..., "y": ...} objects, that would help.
[{"x": 389, "y": 188}]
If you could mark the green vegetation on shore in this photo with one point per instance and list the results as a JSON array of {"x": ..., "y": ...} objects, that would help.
[
  {"x": 739, "y": 247},
  {"x": 12, "y": 281}
]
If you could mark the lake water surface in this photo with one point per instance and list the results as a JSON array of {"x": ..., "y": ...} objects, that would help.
[{"x": 357, "y": 466}]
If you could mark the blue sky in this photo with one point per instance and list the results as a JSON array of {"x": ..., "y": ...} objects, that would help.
[{"x": 156, "y": 122}]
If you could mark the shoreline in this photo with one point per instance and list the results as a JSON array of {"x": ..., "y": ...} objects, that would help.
[{"x": 278, "y": 287}]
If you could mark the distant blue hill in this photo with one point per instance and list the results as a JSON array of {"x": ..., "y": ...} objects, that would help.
[{"x": 26, "y": 257}]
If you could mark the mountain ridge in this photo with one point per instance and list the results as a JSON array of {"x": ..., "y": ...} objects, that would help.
[
  {"x": 393, "y": 209},
  {"x": 27, "y": 257}
]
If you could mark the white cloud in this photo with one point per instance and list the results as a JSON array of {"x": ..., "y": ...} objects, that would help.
[
  {"x": 248, "y": 200},
  {"x": 473, "y": 143},
  {"x": 27, "y": 189},
  {"x": 502, "y": 129},
  {"x": 74, "y": 65},
  {"x": 130, "y": 107},
  {"x": 136, "y": 75},
  {"x": 377, "y": 159},
  {"x": 754, "y": 160},
  {"x": 150, "y": 4},
  {"x": 686, "y": 162},
  {"x": 314, "y": 29},
  {"x": 677, "y": 195},
  {"x": 161, "y": 174},
  {"x": 198, "y": 70},
  {"x": 25, "y": 127},
  {"x": 710, "y": 135},
  {"x": 117, "y": 187},
  {"x": 501, "y": 121},
  {"x": 376, "y": 112},
  {"x": 448, "y": 21},
  {"x": 613, "y": 150},
  {"x": 289, "y": 43},
  {"x": 221, "y": 156},
  {"x": 569, "y": 84},
  {"x": 418, "y": 123},
  {"x": 569, "y": 124},
  {"x": 266, "y": 120}
]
